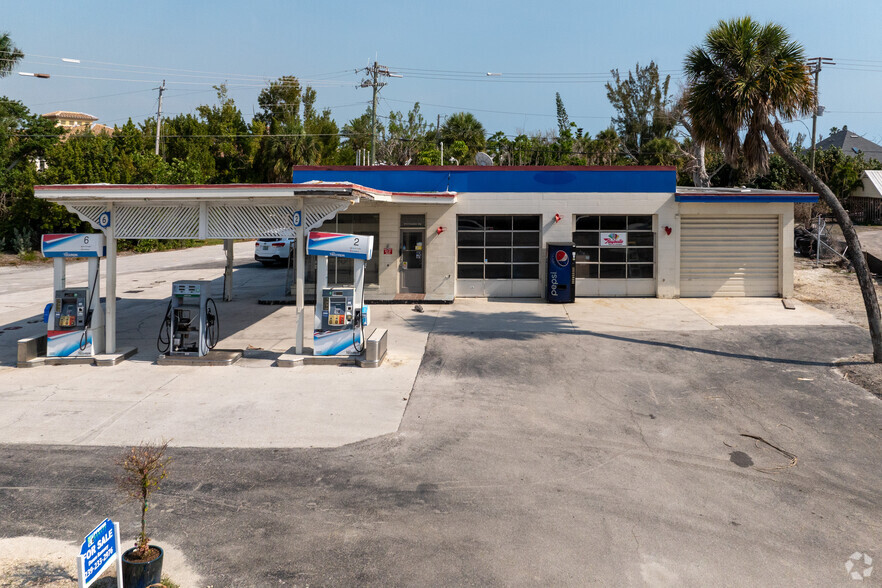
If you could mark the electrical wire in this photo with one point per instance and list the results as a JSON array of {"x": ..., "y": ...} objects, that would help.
[{"x": 464, "y": 108}]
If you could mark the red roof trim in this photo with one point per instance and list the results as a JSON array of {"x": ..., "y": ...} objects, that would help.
[{"x": 108, "y": 187}]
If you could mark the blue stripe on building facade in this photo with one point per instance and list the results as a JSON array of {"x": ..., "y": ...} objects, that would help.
[
  {"x": 761, "y": 199},
  {"x": 498, "y": 179}
]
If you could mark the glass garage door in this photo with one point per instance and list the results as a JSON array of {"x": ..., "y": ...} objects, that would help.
[
  {"x": 498, "y": 255},
  {"x": 615, "y": 255}
]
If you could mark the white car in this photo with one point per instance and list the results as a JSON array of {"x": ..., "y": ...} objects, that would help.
[{"x": 272, "y": 250}]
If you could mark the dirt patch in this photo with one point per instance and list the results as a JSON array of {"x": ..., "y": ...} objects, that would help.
[
  {"x": 50, "y": 563},
  {"x": 832, "y": 289},
  {"x": 837, "y": 291},
  {"x": 13, "y": 260},
  {"x": 860, "y": 369}
]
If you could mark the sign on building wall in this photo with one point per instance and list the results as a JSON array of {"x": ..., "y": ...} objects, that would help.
[{"x": 613, "y": 239}]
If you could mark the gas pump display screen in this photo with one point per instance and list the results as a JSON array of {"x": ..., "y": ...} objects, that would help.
[{"x": 338, "y": 306}]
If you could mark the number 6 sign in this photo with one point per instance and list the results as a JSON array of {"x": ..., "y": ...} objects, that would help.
[{"x": 104, "y": 220}]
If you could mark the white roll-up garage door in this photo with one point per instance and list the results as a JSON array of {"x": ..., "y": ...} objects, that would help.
[{"x": 729, "y": 256}]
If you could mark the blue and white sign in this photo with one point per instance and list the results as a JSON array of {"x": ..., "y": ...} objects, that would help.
[
  {"x": 104, "y": 219},
  {"x": 74, "y": 245},
  {"x": 297, "y": 217},
  {"x": 337, "y": 245},
  {"x": 99, "y": 550}
]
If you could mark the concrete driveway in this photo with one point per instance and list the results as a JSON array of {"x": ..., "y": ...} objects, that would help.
[{"x": 254, "y": 404}]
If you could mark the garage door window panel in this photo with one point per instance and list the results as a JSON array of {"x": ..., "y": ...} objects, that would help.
[
  {"x": 470, "y": 271},
  {"x": 471, "y": 254},
  {"x": 497, "y": 272},
  {"x": 498, "y": 255},
  {"x": 613, "y": 271},
  {"x": 613, "y": 223},
  {"x": 525, "y": 271},
  {"x": 588, "y": 223}
]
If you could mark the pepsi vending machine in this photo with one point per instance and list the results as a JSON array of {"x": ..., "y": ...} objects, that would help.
[{"x": 560, "y": 284}]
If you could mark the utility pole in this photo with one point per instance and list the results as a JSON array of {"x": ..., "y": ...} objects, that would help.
[
  {"x": 815, "y": 68},
  {"x": 159, "y": 115},
  {"x": 375, "y": 72}
]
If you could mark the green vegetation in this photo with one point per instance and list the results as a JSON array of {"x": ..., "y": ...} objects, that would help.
[{"x": 216, "y": 144}]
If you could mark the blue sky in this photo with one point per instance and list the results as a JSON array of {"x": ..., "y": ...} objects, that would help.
[{"x": 196, "y": 44}]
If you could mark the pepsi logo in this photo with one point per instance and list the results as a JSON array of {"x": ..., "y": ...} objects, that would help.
[{"x": 561, "y": 258}]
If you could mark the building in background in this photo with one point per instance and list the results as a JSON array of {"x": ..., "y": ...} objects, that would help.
[
  {"x": 865, "y": 204},
  {"x": 77, "y": 122},
  {"x": 852, "y": 145}
]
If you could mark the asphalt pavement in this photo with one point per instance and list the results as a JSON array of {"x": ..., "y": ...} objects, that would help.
[{"x": 660, "y": 443}]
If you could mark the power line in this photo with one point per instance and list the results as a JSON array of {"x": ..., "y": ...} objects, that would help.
[
  {"x": 66, "y": 100},
  {"x": 464, "y": 108}
]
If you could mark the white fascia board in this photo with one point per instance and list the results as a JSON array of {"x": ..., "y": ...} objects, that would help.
[
  {"x": 103, "y": 194},
  {"x": 407, "y": 199}
]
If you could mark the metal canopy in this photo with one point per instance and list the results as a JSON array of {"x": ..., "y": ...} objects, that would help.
[
  {"x": 234, "y": 211},
  {"x": 238, "y": 211}
]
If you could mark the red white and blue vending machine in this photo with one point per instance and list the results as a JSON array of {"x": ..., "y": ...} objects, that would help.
[{"x": 560, "y": 282}]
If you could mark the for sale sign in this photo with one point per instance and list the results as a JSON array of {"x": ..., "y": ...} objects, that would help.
[{"x": 98, "y": 551}]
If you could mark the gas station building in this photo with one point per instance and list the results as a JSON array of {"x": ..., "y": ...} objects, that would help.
[
  {"x": 483, "y": 231},
  {"x": 446, "y": 232}
]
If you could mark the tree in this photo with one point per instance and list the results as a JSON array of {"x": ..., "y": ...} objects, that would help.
[
  {"x": 25, "y": 138},
  {"x": 144, "y": 467},
  {"x": 292, "y": 131},
  {"x": 463, "y": 126},
  {"x": 407, "y": 137},
  {"x": 749, "y": 77},
  {"x": 563, "y": 120},
  {"x": 11, "y": 55},
  {"x": 642, "y": 104},
  {"x": 357, "y": 132},
  {"x": 231, "y": 143}
]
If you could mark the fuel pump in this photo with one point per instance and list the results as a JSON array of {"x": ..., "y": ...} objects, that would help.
[
  {"x": 191, "y": 325},
  {"x": 340, "y": 313},
  {"x": 75, "y": 322}
]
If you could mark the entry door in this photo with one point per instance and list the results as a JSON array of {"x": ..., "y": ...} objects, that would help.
[{"x": 410, "y": 270}]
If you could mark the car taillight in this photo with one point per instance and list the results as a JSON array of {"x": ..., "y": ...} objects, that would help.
[
  {"x": 278, "y": 244},
  {"x": 257, "y": 243}
]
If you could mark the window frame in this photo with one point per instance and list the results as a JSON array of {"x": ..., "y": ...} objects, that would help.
[
  {"x": 506, "y": 250},
  {"x": 597, "y": 268}
]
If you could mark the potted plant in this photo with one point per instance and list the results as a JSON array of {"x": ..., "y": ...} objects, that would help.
[{"x": 144, "y": 468}]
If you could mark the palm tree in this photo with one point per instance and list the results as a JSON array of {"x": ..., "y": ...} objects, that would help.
[
  {"x": 10, "y": 55},
  {"x": 749, "y": 77},
  {"x": 463, "y": 126}
]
